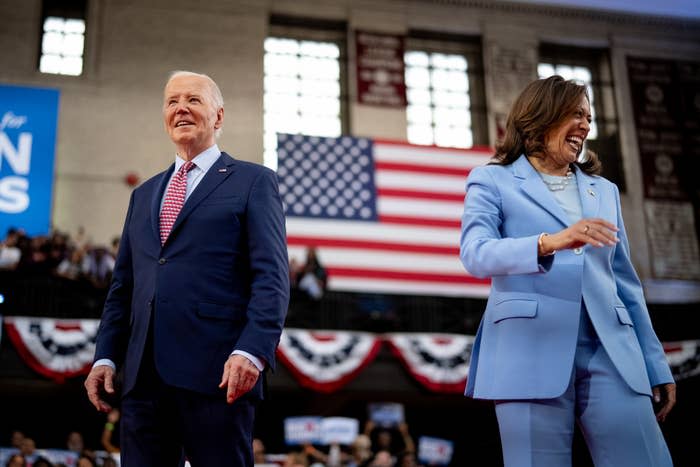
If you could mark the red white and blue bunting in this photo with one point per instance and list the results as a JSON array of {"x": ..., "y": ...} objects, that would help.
[
  {"x": 55, "y": 348},
  {"x": 440, "y": 362},
  {"x": 323, "y": 361},
  {"x": 684, "y": 358}
]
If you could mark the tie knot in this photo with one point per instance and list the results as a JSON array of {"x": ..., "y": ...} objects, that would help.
[{"x": 186, "y": 167}]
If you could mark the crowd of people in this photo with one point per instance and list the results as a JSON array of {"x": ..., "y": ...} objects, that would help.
[
  {"x": 376, "y": 446},
  {"x": 23, "y": 451},
  {"x": 72, "y": 257},
  {"x": 76, "y": 257}
]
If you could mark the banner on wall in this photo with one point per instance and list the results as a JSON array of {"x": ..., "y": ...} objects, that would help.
[
  {"x": 28, "y": 118},
  {"x": 666, "y": 101},
  {"x": 55, "y": 348},
  {"x": 380, "y": 69},
  {"x": 324, "y": 361}
]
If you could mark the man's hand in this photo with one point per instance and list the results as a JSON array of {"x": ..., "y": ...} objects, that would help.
[
  {"x": 101, "y": 378},
  {"x": 664, "y": 399},
  {"x": 239, "y": 377}
]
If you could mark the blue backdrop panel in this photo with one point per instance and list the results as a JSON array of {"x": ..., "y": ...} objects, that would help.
[{"x": 28, "y": 118}]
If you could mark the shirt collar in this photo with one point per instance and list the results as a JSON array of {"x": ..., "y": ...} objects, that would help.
[{"x": 204, "y": 160}]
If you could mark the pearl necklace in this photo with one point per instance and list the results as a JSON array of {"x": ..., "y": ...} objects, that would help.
[{"x": 559, "y": 184}]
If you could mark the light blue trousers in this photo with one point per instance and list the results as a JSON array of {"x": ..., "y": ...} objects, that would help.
[{"x": 618, "y": 424}]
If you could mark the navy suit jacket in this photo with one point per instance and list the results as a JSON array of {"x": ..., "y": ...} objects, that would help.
[
  {"x": 219, "y": 283},
  {"x": 526, "y": 342}
]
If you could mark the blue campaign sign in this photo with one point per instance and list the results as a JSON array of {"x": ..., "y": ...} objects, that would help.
[{"x": 28, "y": 119}]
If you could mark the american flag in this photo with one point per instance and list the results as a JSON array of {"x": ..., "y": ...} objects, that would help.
[{"x": 384, "y": 216}]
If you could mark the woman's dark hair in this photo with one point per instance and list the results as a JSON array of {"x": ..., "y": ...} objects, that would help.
[{"x": 543, "y": 104}]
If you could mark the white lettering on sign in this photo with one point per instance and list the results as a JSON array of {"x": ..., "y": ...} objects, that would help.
[
  {"x": 13, "y": 194},
  {"x": 10, "y": 120},
  {"x": 14, "y": 189},
  {"x": 18, "y": 158}
]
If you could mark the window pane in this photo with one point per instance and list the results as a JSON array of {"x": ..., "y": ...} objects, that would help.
[
  {"x": 52, "y": 43},
  {"x": 416, "y": 59},
  {"x": 313, "y": 87},
  {"x": 302, "y": 91},
  {"x": 319, "y": 67},
  {"x": 545, "y": 70},
  {"x": 54, "y": 24},
  {"x": 281, "y": 46},
  {"x": 73, "y": 45},
  {"x": 420, "y": 134},
  {"x": 281, "y": 65},
  {"x": 62, "y": 46},
  {"x": 281, "y": 84},
  {"x": 74, "y": 26},
  {"x": 320, "y": 49},
  {"x": 281, "y": 103},
  {"x": 451, "y": 99},
  {"x": 457, "y": 137},
  {"x": 418, "y": 96},
  {"x": 417, "y": 78},
  {"x": 50, "y": 64},
  {"x": 419, "y": 114},
  {"x": 320, "y": 106},
  {"x": 72, "y": 66},
  {"x": 438, "y": 99}
]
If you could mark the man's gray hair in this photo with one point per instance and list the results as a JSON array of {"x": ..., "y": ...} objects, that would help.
[{"x": 214, "y": 91}]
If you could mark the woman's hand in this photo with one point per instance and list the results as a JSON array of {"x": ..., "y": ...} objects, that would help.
[
  {"x": 592, "y": 231},
  {"x": 664, "y": 399}
]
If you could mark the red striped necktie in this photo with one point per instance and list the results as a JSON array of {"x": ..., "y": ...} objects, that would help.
[{"x": 174, "y": 200}]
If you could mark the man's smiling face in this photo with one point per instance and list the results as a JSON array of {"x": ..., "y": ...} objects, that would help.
[{"x": 190, "y": 115}]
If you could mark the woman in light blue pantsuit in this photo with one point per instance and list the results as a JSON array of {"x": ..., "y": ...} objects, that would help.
[{"x": 566, "y": 335}]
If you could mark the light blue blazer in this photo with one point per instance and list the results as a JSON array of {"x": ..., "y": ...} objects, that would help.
[{"x": 525, "y": 345}]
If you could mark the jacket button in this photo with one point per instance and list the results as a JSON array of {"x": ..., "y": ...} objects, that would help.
[
  {"x": 578, "y": 251},
  {"x": 161, "y": 261}
]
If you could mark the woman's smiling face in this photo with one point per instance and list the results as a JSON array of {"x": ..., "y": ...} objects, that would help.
[{"x": 564, "y": 142}]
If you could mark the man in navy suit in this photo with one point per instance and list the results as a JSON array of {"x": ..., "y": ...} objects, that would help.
[{"x": 198, "y": 296}]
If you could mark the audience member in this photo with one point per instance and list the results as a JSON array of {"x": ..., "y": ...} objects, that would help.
[
  {"x": 72, "y": 266},
  {"x": 384, "y": 439},
  {"x": 16, "y": 439},
  {"x": 313, "y": 276},
  {"x": 16, "y": 460},
  {"x": 75, "y": 443},
  {"x": 85, "y": 461},
  {"x": 42, "y": 462},
  {"x": 258, "y": 452},
  {"x": 10, "y": 253},
  {"x": 296, "y": 459},
  {"x": 361, "y": 451},
  {"x": 382, "y": 458},
  {"x": 108, "y": 442},
  {"x": 27, "y": 448},
  {"x": 98, "y": 266}
]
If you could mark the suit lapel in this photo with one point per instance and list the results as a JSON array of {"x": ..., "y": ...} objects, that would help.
[
  {"x": 217, "y": 173},
  {"x": 589, "y": 194},
  {"x": 157, "y": 198},
  {"x": 535, "y": 189}
]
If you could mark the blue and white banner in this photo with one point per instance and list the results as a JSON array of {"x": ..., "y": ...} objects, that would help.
[
  {"x": 339, "y": 430},
  {"x": 28, "y": 118},
  {"x": 386, "y": 414},
  {"x": 302, "y": 430},
  {"x": 435, "y": 451}
]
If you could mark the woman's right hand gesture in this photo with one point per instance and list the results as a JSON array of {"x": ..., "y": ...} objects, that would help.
[{"x": 592, "y": 231}]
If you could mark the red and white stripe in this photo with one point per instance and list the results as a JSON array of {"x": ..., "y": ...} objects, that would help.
[{"x": 414, "y": 248}]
